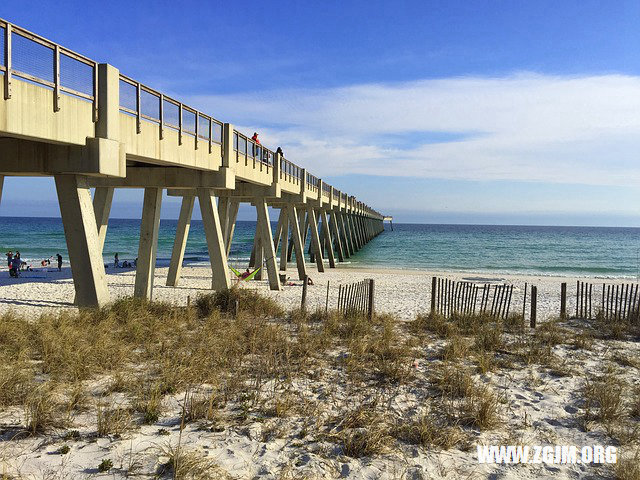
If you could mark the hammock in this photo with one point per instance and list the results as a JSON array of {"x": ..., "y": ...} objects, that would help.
[{"x": 241, "y": 276}]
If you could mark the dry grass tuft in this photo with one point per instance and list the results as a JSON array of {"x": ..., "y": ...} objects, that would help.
[
  {"x": 429, "y": 431},
  {"x": 42, "y": 412},
  {"x": 185, "y": 464},
  {"x": 479, "y": 408},
  {"x": 604, "y": 399},
  {"x": 452, "y": 380},
  {"x": 112, "y": 420},
  {"x": 249, "y": 302}
]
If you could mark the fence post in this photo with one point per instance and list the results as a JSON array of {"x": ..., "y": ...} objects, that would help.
[
  {"x": 326, "y": 303},
  {"x": 303, "y": 305},
  {"x": 534, "y": 305},
  {"x": 563, "y": 300},
  {"x": 371, "y": 291},
  {"x": 433, "y": 295}
]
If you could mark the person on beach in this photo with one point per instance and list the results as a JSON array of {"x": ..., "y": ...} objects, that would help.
[
  {"x": 255, "y": 138},
  {"x": 245, "y": 274},
  {"x": 309, "y": 281},
  {"x": 116, "y": 261},
  {"x": 59, "y": 257},
  {"x": 9, "y": 258}
]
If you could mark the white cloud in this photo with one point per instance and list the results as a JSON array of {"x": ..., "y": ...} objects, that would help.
[{"x": 578, "y": 129}]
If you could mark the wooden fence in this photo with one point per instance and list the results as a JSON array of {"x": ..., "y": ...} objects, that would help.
[
  {"x": 356, "y": 297},
  {"x": 449, "y": 296},
  {"x": 617, "y": 302}
]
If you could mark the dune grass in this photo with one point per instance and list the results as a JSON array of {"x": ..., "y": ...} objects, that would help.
[{"x": 235, "y": 358}]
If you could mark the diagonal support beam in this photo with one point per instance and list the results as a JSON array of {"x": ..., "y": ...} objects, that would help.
[
  {"x": 102, "y": 200},
  {"x": 267, "y": 243},
  {"x": 284, "y": 235},
  {"x": 297, "y": 241},
  {"x": 180, "y": 242},
  {"x": 326, "y": 239},
  {"x": 81, "y": 234},
  {"x": 215, "y": 242},
  {"x": 315, "y": 238},
  {"x": 335, "y": 232}
]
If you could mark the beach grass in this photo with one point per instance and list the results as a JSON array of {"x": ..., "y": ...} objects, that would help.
[{"x": 361, "y": 387}]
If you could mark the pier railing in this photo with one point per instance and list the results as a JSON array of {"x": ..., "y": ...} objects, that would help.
[{"x": 35, "y": 59}]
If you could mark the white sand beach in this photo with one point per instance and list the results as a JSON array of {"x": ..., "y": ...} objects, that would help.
[{"x": 404, "y": 293}]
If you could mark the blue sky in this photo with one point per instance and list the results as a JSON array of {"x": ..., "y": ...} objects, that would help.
[{"x": 471, "y": 112}]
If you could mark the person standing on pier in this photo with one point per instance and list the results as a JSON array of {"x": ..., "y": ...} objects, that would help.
[{"x": 255, "y": 138}]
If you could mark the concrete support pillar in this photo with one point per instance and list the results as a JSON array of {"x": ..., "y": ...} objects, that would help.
[
  {"x": 254, "y": 248},
  {"x": 102, "y": 200},
  {"x": 348, "y": 250},
  {"x": 354, "y": 232},
  {"x": 223, "y": 213},
  {"x": 267, "y": 243},
  {"x": 81, "y": 233},
  {"x": 148, "y": 246},
  {"x": 278, "y": 234},
  {"x": 315, "y": 238},
  {"x": 296, "y": 238},
  {"x": 335, "y": 232},
  {"x": 231, "y": 225},
  {"x": 215, "y": 242},
  {"x": 180, "y": 242},
  {"x": 326, "y": 238},
  {"x": 284, "y": 235},
  {"x": 303, "y": 235}
]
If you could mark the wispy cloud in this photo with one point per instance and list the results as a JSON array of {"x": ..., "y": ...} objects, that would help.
[{"x": 566, "y": 129}]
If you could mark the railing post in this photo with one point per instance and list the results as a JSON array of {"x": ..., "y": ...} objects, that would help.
[
  {"x": 161, "y": 111},
  {"x": 108, "y": 94},
  {"x": 7, "y": 61},
  {"x": 138, "y": 108},
  {"x": 56, "y": 79},
  {"x": 197, "y": 129},
  {"x": 277, "y": 167},
  {"x": 180, "y": 124},
  {"x": 227, "y": 144}
]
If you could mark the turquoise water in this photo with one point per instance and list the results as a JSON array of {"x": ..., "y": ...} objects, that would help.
[{"x": 583, "y": 251}]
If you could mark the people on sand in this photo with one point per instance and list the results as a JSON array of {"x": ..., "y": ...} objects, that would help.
[
  {"x": 9, "y": 258},
  {"x": 245, "y": 274},
  {"x": 116, "y": 261},
  {"x": 255, "y": 138},
  {"x": 309, "y": 281},
  {"x": 59, "y": 257}
]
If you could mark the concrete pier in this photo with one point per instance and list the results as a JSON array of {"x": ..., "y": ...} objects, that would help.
[{"x": 97, "y": 134}]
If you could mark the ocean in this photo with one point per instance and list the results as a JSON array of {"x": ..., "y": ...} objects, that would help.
[{"x": 583, "y": 251}]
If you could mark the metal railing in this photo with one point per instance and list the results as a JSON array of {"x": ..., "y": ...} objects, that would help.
[
  {"x": 37, "y": 60},
  {"x": 312, "y": 182},
  {"x": 148, "y": 104},
  {"x": 245, "y": 146},
  {"x": 289, "y": 171}
]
